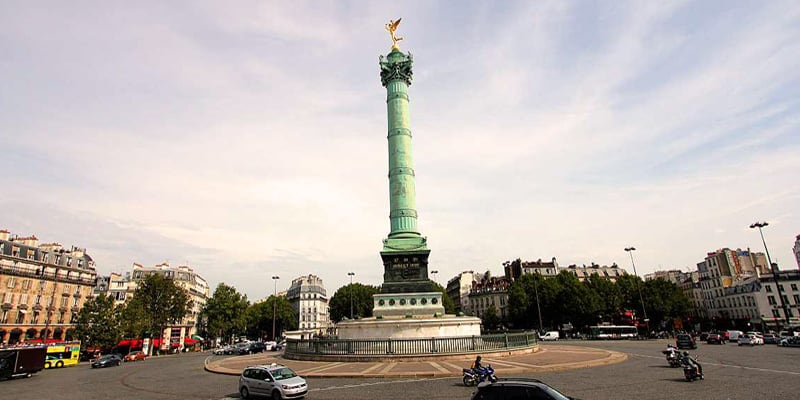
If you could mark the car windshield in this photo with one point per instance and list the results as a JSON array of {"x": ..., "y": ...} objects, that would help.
[
  {"x": 554, "y": 394},
  {"x": 283, "y": 373},
  {"x": 106, "y": 357}
]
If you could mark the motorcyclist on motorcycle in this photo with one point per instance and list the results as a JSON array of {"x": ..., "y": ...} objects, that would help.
[
  {"x": 476, "y": 366},
  {"x": 687, "y": 360}
]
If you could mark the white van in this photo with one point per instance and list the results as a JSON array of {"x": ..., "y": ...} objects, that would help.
[
  {"x": 552, "y": 335},
  {"x": 733, "y": 336}
]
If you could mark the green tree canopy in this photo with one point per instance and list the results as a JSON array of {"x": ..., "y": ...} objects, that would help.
[
  {"x": 447, "y": 302},
  {"x": 98, "y": 324},
  {"x": 490, "y": 320},
  {"x": 259, "y": 318},
  {"x": 225, "y": 312},
  {"x": 339, "y": 305},
  {"x": 157, "y": 302}
]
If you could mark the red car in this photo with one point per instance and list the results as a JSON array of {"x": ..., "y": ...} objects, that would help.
[{"x": 136, "y": 356}]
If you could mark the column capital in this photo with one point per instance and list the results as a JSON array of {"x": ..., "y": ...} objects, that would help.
[{"x": 396, "y": 66}]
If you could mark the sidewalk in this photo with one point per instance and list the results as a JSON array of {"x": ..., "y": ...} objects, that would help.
[{"x": 549, "y": 358}]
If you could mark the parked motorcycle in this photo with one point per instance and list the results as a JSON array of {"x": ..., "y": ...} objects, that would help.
[{"x": 473, "y": 378}]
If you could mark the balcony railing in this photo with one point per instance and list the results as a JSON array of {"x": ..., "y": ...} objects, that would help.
[
  {"x": 409, "y": 347},
  {"x": 27, "y": 272}
]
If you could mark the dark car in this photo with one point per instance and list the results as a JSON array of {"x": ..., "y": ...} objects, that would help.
[
  {"x": 771, "y": 338},
  {"x": 715, "y": 338},
  {"x": 685, "y": 341},
  {"x": 108, "y": 360},
  {"x": 252, "y": 348},
  {"x": 518, "y": 388},
  {"x": 703, "y": 336}
]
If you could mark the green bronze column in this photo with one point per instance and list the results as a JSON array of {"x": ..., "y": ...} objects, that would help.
[
  {"x": 405, "y": 251},
  {"x": 396, "y": 75}
]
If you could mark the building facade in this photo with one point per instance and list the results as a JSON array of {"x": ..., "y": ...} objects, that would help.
[
  {"x": 517, "y": 268},
  {"x": 583, "y": 273},
  {"x": 183, "y": 276},
  {"x": 310, "y": 302},
  {"x": 722, "y": 269},
  {"x": 755, "y": 302},
  {"x": 458, "y": 289},
  {"x": 489, "y": 292},
  {"x": 42, "y": 288}
]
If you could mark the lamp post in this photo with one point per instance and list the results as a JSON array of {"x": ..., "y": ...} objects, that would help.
[
  {"x": 351, "y": 275},
  {"x": 274, "y": 302},
  {"x": 630, "y": 251},
  {"x": 434, "y": 272},
  {"x": 772, "y": 268},
  {"x": 538, "y": 309}
]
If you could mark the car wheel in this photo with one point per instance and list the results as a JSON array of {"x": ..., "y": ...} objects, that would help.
[
  {"x": 47, "y": 365},
  {"x": 244, "y": 392},
  {"x": 59, "y": 364},
  {"x": 276, "y": 394}
]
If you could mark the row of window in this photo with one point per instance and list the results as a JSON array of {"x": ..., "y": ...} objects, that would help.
[
  {"x": 44, "y": 256},
  {"x": 36, "y": 317},
  {"x": 768, "y": 288},
  {"x": 26, "y": 284},
  {"x": 22, "y": 298}
]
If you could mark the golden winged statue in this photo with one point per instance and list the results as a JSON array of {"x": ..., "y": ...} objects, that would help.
[{"x": 392, "y": 27}]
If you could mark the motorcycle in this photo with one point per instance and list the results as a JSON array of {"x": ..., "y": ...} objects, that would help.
[
  {"x": 690, "y": 371},
  {"x": 673, "y": 359},
  {"x": 473, "y": 378}
]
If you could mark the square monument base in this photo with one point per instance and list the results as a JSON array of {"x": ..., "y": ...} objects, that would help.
[{"x": 425, "y": 304}]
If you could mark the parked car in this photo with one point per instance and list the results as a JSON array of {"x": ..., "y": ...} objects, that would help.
[
  {"x": 275, "y": 380},
  {"x": 715, "y": 338},
  {"x": 685, "y": 341},
  {"x": 252, "y": 348},
  {"x": 792, "y": 341},
  {"x": 235, "y": 348},
  {"x": 517, "y": 388},
  {"x": 771, "y": 338},
  {"x": 756, "y": 337},
  {"x": 280, "y": 346},
  {"x": 733, "y": 335},
  {"x": 136, "y": 356},
  {"x": 108, "y": 360},
  {"x": 746, "y": 340},
  {"x": 220, "y": 351}
]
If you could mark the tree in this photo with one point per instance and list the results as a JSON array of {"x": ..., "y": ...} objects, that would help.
[
  {"x": 664, "y": 300},
  {"x": 339, "y": 305},
  {"x": 158, "y": 303},
  {"x": 97, "y": 324},
  {"x": 490, "y": 320},
  {"x": 447, "y": 302},
  {"x": 259, "y": 317},
  {"x": 224, "y": 313}
]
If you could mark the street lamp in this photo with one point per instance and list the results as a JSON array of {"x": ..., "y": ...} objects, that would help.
[
  {"x": 538, "y": 309},
  {"x": 434, "y": 272},
  {"x": 772, "y": 268},
  {"x": 274, "y": 302},
  {"x": 351, "y": 275},
  {"x": 630, "y": 251}
]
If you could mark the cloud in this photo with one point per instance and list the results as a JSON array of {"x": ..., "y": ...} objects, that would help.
[{"x": 250, "y": 141}]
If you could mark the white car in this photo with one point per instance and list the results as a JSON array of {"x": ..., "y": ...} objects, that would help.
[
  {"x": 749, "y": 340},
  {"x": 756, "y": 338},
  {"x": 552, "y": 335}
]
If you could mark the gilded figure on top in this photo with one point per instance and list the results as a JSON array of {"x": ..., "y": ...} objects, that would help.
[{"x": 392, "y": 27}]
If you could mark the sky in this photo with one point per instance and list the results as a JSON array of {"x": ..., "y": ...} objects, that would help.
[{"x": 248, "y": 138}]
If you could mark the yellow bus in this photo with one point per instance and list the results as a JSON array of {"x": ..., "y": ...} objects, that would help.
[{"x": 62, "y": 354}]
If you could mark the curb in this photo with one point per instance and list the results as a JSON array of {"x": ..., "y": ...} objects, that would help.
[{"x": 611, "y": 357}]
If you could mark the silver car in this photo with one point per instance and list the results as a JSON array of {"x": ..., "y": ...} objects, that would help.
[{"x": 274, "y": 380}]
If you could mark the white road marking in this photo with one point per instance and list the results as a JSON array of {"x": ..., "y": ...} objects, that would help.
[
  {"x": 375, "y": 384},
  {"x": 729, "y": 366}
]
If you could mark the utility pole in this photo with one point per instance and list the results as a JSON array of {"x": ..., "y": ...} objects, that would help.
[
  {"x": 274, "y": 303},
  {"x": 773, "y": 268},
  {"x": 351, "y": 274},
  {"x": 630, "y": 251}
]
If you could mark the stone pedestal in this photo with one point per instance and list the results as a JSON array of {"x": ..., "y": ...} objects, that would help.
[
  {"x": 425, "y": 305},
  {"x": 409, "y": 328}
]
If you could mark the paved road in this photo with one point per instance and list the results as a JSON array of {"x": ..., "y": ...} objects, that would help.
[{"x": 763, "y": 372}]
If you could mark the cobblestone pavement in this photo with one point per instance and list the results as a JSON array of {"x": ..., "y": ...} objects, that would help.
[{"x": 549, "y": 358}]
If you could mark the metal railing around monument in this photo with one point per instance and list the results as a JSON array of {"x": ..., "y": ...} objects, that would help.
[{"x": 410, "y": 347}]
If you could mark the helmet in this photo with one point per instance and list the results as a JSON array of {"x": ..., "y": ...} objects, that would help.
[{"x": 478, "y": 358}]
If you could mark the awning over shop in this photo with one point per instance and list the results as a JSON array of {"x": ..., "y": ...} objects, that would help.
[{"x": 197, "y": 337}]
